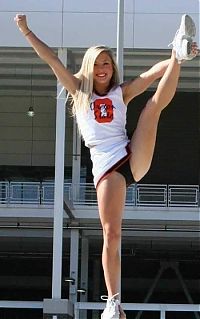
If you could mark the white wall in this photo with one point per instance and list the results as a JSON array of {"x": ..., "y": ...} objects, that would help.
[{"x": 78, "y": 23}]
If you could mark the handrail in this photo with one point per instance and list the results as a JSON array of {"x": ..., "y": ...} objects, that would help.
[
  {"x": 162, "y": 308},
  {"x": 151, "y": 195},
  {"x": 179, "y": 195},
  {"x": 16, "y": 304},
  {"x": 142, "y": 195},
  {"x": 24, "y": 192}
]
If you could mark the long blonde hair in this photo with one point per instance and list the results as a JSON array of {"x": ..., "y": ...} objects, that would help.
[{"x": 81, "y": 99}]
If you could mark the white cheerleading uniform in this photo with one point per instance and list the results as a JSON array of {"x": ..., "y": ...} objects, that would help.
[{"x": 103, "y": 130}]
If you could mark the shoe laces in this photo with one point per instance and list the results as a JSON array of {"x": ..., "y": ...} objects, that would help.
[
  {"x": 111, "y": 303},
  {"x": 105, "y": 297}
]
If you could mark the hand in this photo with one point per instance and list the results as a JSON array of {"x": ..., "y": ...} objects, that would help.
[
  {"x": 21, "y": 21},
  {"x": 194, "y": 49}
]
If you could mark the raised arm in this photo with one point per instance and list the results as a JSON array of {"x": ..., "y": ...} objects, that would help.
[
  {"x": 141, "y": 83},
  {"x": 137, "y": 86},
  {"x": 64, "y": 76}
]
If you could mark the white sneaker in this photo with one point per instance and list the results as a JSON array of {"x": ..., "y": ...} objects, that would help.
[
  {"x": 112, "y": 308},
  {"x": 182, "y": 42}
]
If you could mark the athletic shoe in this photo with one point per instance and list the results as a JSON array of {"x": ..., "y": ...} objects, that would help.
[
  {"x": 182, "y": 42},
  {"x": 112, "y": 308}
]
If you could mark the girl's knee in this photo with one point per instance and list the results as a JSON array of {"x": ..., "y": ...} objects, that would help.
[{"x": 112, "y": 235}]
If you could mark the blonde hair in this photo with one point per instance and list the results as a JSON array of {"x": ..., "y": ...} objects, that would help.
[{"x": 81, "y": 99}]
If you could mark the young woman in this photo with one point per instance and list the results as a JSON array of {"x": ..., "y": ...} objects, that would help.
[{"x": 99, "y": 105}]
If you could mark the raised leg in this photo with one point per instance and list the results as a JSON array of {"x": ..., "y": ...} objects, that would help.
[{"x": 143, "y": 141}]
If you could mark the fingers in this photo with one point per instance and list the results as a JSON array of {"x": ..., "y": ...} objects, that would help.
[
  {"x": 20, "y": 17},
  {"x": 194, "y": 45},
  {"x": 194, "y": 48},
  {"x": 21, "y": 22}
]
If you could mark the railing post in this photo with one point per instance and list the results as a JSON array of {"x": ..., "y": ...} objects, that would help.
[
  {"x": 74, "y": 253},
  {"x": 84, "y": 271},
  {"x": 8, "y": 193},
  {"x": 162, "y": 314},
  {"x": 76, "y": 312}
]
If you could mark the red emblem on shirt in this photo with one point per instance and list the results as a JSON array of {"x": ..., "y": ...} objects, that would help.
[{"x": 103, "y": 110}]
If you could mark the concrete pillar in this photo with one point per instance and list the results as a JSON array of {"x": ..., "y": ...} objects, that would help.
[
  {"x": 84, "y": 273},
  {"x": 59, "y": 187},
  {"x": 74, "y": 250}
]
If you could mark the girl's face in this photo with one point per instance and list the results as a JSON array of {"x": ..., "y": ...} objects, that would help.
[{"x": 103, "y": 70}]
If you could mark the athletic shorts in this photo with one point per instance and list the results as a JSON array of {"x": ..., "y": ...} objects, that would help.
[
  {"x": 122, "y": 167},
  {"x": 125, "y": 170}
]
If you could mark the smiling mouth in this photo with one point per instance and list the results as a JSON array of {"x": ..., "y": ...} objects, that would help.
[{"x": 101, "y": 75}]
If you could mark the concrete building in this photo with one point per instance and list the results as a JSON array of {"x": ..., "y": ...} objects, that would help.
[{"x": 50, "y": 242}]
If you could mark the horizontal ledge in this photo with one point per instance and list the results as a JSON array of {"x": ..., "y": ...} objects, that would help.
[
  {"x": 21, "y": 304},
  {"x": 141, "y": 306}
]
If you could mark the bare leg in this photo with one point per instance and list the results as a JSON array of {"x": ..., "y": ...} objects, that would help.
[
  {"x": 144, "y": 138},
  {"x": 111, "y": 194}
]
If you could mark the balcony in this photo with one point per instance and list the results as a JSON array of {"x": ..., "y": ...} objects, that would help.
[{"x": 139, "y": 195}]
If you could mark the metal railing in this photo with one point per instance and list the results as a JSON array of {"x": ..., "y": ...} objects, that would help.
[
  {"x": 4, "y": 192},
  {"x": 15, "y": 304},
  {"x": 24, "y": 192},
  {"x": 187, "y": 195},
  {"x": 156, "y": 195},
  {"x": 161, "y": 308}
]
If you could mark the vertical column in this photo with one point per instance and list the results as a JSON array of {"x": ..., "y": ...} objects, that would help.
[
  {"x": 96, "y": 293},
  {"x": 162, "y": 314},
  {"x": 74, "y": 248},
  {"x": 59, "y": 187},
  {"x": 120, "y": 62},
  {"x": 120, "y": 38},
  {"x": 76, "y": 163},
  {"x": 84, "y": 272}
]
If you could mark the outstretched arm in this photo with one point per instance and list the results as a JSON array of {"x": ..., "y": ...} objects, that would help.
[
  {"x": 65, "y": 77},
  {"x": 141, "y": 83}
]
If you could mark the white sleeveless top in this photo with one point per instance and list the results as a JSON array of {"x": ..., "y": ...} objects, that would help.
[{"x": 103, "y": 131}]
